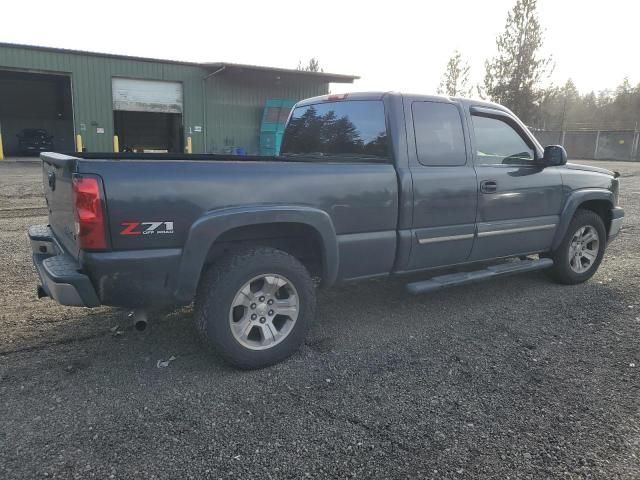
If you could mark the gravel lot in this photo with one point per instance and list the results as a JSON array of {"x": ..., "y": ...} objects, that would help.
[{"x": 513, "y": 378}]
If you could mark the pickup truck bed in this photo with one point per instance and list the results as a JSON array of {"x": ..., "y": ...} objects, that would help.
[{"x": 358, "y": 208}]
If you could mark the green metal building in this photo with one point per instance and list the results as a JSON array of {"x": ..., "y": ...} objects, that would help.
[{"x": 150, "y": 104}]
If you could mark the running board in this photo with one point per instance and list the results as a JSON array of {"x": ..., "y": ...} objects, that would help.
[{"x": 463, "y": 278}]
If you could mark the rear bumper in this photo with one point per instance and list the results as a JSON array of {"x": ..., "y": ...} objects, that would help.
[
  {"x": 59, "y": 273},
  {"x": 134, "y": 278},
  {"x": 130, "y": 279},
  {"x": 617, "y": 219}
]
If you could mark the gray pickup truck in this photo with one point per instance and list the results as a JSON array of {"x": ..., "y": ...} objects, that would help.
[{"x": 367, "y": 185}]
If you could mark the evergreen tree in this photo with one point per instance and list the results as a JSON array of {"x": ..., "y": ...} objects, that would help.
[
  {"x": 513, "y": 76},
  {"x": 565, "y": 108},
  {"x": 312, "y": 66},
  {"x": 455, "y": 80}
]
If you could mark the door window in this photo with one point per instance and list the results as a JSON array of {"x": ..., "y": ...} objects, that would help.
[
  {"x": 497, "y": 143},
  {"x": 439, "y": 135}
]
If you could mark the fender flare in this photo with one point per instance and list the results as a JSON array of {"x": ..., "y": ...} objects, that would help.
[
  {"x": 208, "y": 228},
  {"x": 574, "y": 201}
]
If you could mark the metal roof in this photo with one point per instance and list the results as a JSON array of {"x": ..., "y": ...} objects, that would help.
[{"x": 329, "y": 77}]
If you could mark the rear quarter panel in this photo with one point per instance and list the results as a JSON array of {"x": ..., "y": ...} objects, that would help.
[{"x": 361, "y": 200}]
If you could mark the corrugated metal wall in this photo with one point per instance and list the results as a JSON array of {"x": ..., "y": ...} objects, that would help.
[
  {"x": 234, "y": 100},
  {"x": 235, "y": 103},
  {"x": 91, "y": 85}
]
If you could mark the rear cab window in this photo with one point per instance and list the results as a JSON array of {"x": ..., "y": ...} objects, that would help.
[
  {"x": 343, "y": 131},
  {"x": 439, "y": 135}
]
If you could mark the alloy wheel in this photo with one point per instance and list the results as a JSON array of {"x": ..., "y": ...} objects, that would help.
[
  {"x": 264, "y": 311},
  {"x": 583, "y": 249}
]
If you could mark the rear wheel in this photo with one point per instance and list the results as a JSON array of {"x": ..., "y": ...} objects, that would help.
[
  {"x": 579, "y": 255},
  {"x": 255, "y": 307}
]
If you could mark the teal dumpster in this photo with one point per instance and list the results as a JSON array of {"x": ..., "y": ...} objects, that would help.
[{"x": 274, "y": 119}]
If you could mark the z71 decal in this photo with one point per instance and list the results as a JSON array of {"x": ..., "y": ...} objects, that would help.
[{"x": 146, "y": 228}]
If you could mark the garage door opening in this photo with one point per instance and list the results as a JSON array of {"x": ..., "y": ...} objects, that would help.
[
  {"x": 36, "y": 113},
  {"x": 147, "y": 115},
  {"x": 148, "y": 132}
]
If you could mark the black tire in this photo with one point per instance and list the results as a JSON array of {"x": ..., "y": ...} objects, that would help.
[
  {"x": 561, "y": 271},
  {"x": 216, "y": 292}
]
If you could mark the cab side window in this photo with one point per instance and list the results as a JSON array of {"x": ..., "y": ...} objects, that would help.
[
  {"x": 497, "y": 143},
  {"x": 439, "y": 136}
]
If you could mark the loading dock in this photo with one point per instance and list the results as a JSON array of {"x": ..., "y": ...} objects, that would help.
[
  {"x": 148, "y": 131},
  {"x": 31, "y": 101},
  {"x": 147, "y": 115}
]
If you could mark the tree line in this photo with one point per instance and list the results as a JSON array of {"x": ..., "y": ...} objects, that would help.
[{"x": 514, "y": 76}]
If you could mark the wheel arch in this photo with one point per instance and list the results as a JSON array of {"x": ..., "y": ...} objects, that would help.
[
  {"x": 221, "y": 224},
  {"x": 598, "y": 200}
]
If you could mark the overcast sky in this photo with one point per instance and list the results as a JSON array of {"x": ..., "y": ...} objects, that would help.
[{"x": 393, "y": 45}]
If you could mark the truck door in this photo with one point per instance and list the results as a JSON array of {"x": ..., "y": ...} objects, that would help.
[
  {"x": 444, "y": 184},
  {"x": 519, "y": 202}
]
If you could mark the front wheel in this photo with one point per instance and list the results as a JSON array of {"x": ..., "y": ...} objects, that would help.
[
  {"x": 579, "y": 255},
  {"x": 255, "y": 306}
]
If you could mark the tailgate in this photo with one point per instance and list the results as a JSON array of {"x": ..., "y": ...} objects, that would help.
[{"x": 57, "y": 171}]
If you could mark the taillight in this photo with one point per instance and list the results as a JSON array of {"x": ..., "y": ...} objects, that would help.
[{"x": 87, "y": 202}]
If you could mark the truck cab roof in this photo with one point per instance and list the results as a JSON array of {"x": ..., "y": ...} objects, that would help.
[{"x": 379, "y": 95}]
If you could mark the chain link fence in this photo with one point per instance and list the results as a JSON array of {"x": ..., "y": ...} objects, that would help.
[{"x": 594, "y": 144}]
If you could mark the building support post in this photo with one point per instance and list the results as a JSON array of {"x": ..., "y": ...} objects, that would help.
[
  {"x": 116, "y": 144},
  {"x": 595, "y": 150},
  {"x": 634, "y": 146},
  {"x": 206, "y": 106}
]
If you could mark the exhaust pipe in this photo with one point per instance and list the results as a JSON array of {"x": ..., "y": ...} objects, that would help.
[
  {"x": 41, "y": 292},
  {"x": 140, "y": 320}
]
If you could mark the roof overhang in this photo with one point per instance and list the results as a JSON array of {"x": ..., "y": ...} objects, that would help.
[
  {"x": 233, "y": 67},
  {"x": 242, "y": 68}
]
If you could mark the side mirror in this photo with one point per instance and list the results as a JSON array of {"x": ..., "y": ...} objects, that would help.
[{"x": 554, "y": 155}]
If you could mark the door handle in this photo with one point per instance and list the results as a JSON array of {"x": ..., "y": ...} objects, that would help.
[{"x": 488, "y": 186}]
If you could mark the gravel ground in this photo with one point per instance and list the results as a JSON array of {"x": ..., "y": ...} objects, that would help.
[{"x": 513, "y": 378}]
